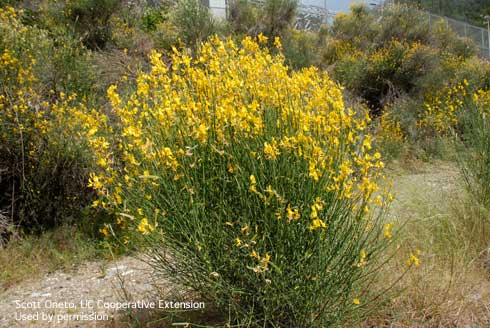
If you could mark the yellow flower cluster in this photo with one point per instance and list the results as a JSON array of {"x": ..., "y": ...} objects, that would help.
[
  {"x": 413, "y": 259},
  {"x": 27, "y": 117},
  {"x": 229, "y": 94},
  {"x": 481, "y": 99},
  {"x": 442, "y": 108},
  {"x": 390, "y": 130}
]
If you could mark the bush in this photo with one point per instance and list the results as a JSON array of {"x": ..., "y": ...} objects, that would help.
[
  {"x": 300, "y": 48},
  {"x": 357, "y": 28},
  {"x": 476, "y": 136},
  {"x": 243, "y": 17},
  {"x": 67, "y": 67},
  {"x": 381, "y": 57},
  {"x": 45, "y": 156},
  {"x": 250, "y": 185},
  {"x": 91, "y": 20},
  {"x": 446, "y": 39},
  {"x": 151, "y": 18},
  {"x": 403, "y": 22},
  {"x": 272, "y": 18},
  {"x": 277, "y": 16},
  {"x": 193, "y": 21},
  {"x": 391, "y": 138},
  {"x": 390, "y": 71}
]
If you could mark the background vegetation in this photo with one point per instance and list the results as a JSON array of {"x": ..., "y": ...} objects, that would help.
[
  {"x": 466, "y": 10},
  {"x": 116, "y": 116}
]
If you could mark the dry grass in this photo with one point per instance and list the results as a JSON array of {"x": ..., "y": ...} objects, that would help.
[
  {"x": 32, "y": 256},
  {"x": 451, "y": 287},
  {"x": 7, "y": 230}
]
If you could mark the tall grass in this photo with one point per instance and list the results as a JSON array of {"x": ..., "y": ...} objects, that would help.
[{"x": 450, "y": 288}]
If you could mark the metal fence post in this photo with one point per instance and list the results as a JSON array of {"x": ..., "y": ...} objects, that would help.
[
  {"x": 482, "y": 48},
  {"x": 488, "y": 34}
]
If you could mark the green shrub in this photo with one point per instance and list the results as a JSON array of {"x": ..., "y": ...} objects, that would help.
[
  {"x": 272, "y": 18},
  {"x": 390, "y": 137},
  {"x": 389, "y": 71},
  {"x": 358, "y": 28},
  {"x": 381, "y": 57},
  {"x": 404, "y": 23},
  {"x": 68, "y": 68},
  {"x": 243, "y": 17},
  {"x": 446, "y": 39},
  {"x": 45, "y": 156},
  {"x": 166, "y": 36},
  {"x": 277, "y": 16},
  {"x": 193, "y": 21},
  {"x": 251, "y": 186},
  {"x": 476, "y": 136},
  {"x": 151, "y": 18},
  {"x": 90, "y": 20},
  {"x": 300, "y": 48}
]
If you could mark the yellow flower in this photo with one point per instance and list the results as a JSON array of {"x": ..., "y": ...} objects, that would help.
[
  {"x": 102, "y": 162},
  {"x": 413, "y": 259},
  {"x": 95, "y": 182},
  {"x": 317, "y": 224},
  {"x": 253, "y": 182},
  {"x": 315, "y": 208},
  {"x": 104, "y": 231},
  {"x": 202, "y": 133},
  {"x": 362, "y": 261},
  {"x": 314, "y": 172},
  {"x": 144, "y": 227},
  {"x": 271, "y": 150},
  {"x": 277, "y": 42},
  {"x": 262, "y": 38},
  {"x": 356, "y": 301},
  {"x": 387, "y": 230},
  {"x": 292, "y": 214},
  {"x": 266, "y": 259},
  {"x": 245, "y": 229}
]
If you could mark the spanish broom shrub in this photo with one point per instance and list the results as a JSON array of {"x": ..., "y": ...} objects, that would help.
[
  {"x": 250, "y": 185},
  {"x": 46, "y": 137},
  {"x": 476, "y": 137}
]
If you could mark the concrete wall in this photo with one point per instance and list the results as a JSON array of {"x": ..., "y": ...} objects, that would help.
[
  {"x": 218, "y": 8},
  {"x": 337, "y": 5}
]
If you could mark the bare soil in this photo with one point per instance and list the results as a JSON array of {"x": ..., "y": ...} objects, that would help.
[{"x": 101, "y": 283}]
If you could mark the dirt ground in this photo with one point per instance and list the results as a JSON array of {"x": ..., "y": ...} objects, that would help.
[{"x": 92, "y": 288}]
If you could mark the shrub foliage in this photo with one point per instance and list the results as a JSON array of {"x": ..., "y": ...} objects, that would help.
[
  {"x": 45, "y": 150},
  {"x": 249, "y": 184}
]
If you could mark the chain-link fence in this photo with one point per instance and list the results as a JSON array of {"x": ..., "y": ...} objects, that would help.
[
  {"x": 480, "y": 36},
  {"x": 310, "y": 17}
]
